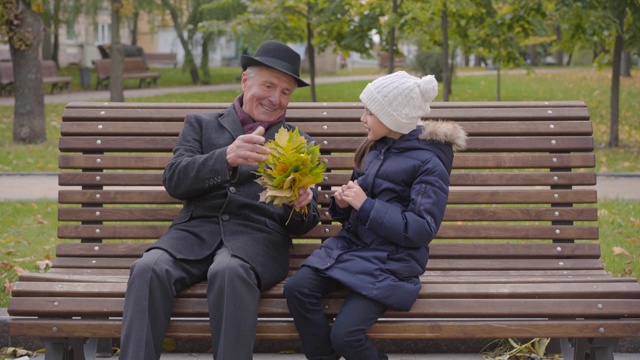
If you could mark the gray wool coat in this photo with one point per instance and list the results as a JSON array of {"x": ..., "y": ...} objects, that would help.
[{"x": 223, "y": 206}]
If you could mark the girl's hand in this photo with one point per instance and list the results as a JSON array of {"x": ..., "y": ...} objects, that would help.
[
  {"x": 352, "y": 194},
  {"x": 339, "y": 199}
]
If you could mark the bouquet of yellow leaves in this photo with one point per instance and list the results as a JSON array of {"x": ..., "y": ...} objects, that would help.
[{"x": 291, "y": 165}]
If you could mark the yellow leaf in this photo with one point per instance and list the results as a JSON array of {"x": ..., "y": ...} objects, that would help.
[{"x": 618, "y": 250}]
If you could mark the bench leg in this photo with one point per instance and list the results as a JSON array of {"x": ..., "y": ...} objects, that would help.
[
  {"x": 588, "y": 348},
  {"x": 70, "y": 349}
]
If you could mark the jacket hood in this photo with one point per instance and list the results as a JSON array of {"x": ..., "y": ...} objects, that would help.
[{"x": 442, "y": 131}]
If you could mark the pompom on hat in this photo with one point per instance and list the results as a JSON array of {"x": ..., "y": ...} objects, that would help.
[{"x": 400, "y": 100}]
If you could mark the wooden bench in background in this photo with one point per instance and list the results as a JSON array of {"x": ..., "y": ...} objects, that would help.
[
  {"x": 516, "y": 257},
  {"x": 6, "y": 78},
  {"x": 161, "y": 59},
  {"x": 133, "y": 68},
  {"x": 50, "y": 76}
]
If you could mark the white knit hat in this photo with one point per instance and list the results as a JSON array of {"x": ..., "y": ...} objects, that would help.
[{"x": 399, "y": 100}]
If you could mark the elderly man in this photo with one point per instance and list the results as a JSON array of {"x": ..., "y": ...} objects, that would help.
[{"x": 223, "y": 234}]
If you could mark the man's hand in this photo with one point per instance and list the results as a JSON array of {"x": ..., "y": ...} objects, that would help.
[
  {"x": 247, "y": 149},
  {"x": 305, "y": 195}
]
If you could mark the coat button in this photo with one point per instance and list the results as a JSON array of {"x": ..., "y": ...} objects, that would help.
[
  {"x": 225, "y": 217},
  {"x": 232, "y": 190}
]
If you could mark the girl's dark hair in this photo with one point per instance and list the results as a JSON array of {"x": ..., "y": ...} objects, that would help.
[{"x": 361, "y": 153}]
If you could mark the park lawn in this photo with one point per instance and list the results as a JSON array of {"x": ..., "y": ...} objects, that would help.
[
  {"x": 28, "y": 239},
  {"x": 588, "y": 85}
]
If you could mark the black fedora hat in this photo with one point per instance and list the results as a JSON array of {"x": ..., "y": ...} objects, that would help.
[{"x": 275, "y": 55}]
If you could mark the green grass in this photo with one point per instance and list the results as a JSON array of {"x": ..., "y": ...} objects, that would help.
[{"x": 591, "y": 86}]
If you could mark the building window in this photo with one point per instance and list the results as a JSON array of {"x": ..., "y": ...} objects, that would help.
[
  {"x": 71, "y": 33},
  {"x": 103, "y": 35}
]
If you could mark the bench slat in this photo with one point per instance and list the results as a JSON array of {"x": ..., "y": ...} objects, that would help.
[
  {"x": 437, "y": 250},
  {"x": 601, "y": 308},
  {"x": 430, "y": 291},
  {"x": 318, "y": 127},
  {"x": 432, "y": 329},
  {"x": 446, "y": 231},
  {"x": 332, "y": 179},
  {"x": 434, "y": 264},
  {"x": 451, "y": 214},
  {"x": 481, "y": 144},
  {"x": 475, "y": 276},
  {"x": 561, "y": 196}
]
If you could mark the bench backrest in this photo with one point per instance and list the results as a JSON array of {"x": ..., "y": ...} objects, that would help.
[
  {"x": 6, "y": 72},
  {"x": 161, "y": 58},
  {"x": 49, "y": 68},
  {"x": 521, "y": 181},
  {"x": 131, "y": 65}
]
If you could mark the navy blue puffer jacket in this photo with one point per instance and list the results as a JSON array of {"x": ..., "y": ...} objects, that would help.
[{"x": 383, "y": 248}]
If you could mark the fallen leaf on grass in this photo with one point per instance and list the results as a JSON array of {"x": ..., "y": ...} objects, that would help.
[
  {"x": 16, "y": 352},
  {"x": 44, "y": 264},
  {"x": 617, "y": 250},
  {"x": 628, "y": 271},
  {"x": 8, "y": 286},
  {"x": 40, "y": 220}
]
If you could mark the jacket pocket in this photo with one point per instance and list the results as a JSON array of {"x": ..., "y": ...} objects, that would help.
[
  {"x": 182, "y": 217},
  {"x": 277, "y": 228}
]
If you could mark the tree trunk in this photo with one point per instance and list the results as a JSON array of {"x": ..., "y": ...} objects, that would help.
[
  {"x": 116, "y": 53},
  {"x": 311, "y": 54},
  {"x": 559, "y": 53},
  {"x": 625, "y": 65},
  {"x": 615, "y": 81},
  {"x": 29, "y": 120},
  {"x": 189, "y": 61},
  {"x": 47, "y": 20},
  {"x": 392, "y": 42},
  {"x": 207, "y": 40},
  {"x": 533, "y": 55},
  {"x": 134, "y": 28},
  {"x": 445, "y": 54},
  {"x": 55, "y": 50}
]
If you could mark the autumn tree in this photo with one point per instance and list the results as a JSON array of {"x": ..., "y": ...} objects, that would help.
[{"x": 22, "y": 28}]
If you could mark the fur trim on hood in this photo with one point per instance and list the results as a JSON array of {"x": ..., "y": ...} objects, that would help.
[{"x": 444, "y": 131}]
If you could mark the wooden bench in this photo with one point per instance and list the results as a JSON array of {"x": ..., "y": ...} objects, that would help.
[
  {"x": 6, "y": 78},
  {"x": 50, "y": 76},
  {"x": 162, "y": 59},
  {"x": 516, "y": 257},
  {"x": 133, "y": 68}
]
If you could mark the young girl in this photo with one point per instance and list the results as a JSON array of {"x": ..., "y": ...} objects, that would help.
[{"x": 390, "y": 211}]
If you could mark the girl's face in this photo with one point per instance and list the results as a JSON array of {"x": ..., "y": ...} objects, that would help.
[{"x": 375, "y": 128}]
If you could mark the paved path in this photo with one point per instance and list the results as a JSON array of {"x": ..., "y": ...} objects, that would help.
[
  {"x": 45, "y": 186},
  {"x": 103, "y": 95}
]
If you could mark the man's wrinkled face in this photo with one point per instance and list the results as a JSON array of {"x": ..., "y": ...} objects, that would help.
[{"x": 266, "y": 93}]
